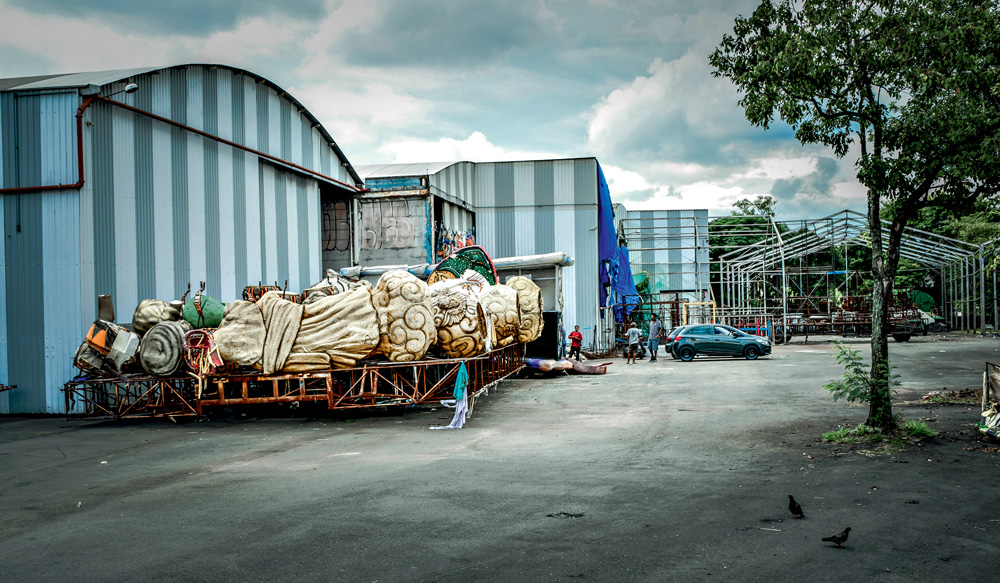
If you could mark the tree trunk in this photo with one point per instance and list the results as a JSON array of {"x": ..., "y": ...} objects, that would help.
[{"x": 880, "y": 402}]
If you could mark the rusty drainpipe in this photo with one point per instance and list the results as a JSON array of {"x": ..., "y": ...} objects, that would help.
[{"x": 79, "y": 160}]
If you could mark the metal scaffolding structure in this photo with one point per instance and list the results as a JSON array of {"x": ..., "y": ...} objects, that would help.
[
  {"x": 776, "y": 270},
  {"x": 776, "y": 282}
]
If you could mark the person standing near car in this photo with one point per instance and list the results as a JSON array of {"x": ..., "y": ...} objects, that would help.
[
  {"x": 576, "y": 340},
  {"x": 634, "y": 334},
  {"x": 654, "y": 337}
]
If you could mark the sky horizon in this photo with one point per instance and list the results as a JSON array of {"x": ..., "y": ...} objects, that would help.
[{"x": 402, "y": 81}]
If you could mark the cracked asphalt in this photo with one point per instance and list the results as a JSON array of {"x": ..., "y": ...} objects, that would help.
[{"x": 663, "y": 471}]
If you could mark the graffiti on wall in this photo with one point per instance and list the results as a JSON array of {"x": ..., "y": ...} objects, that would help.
[
  {"x": 449, "y": 241},
  {"x": 336, "y": 226},
  {"x": 386, "y": 224}
]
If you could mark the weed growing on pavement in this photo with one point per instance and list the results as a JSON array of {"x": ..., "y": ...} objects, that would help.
[
  {"x": 848, "y": 434},
  {"x": 877, "y": 442},
  {"x": 919, "y": 429}
]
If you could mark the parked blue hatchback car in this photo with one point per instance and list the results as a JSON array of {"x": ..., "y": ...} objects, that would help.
[{"x": 717, "y": 340}]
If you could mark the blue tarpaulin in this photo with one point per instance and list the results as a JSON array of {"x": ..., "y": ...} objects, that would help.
[{"x": 616, "y": 274}]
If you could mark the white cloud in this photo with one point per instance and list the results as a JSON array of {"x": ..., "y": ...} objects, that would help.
[
  {"x": 776, "y": 167},
  {"x": 622, "y": 181},
  {"x": 359, "y": 114},
  {"x": 245, "y": 42},
  {"x": 81, "y": 45},
  {"x": 475, "y": 148}
]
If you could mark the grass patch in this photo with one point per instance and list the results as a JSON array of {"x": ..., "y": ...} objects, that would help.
[
  {"x": 848, "y": 434},
  {"x": 918, "y": 429},
  {"x": 873, "y": 442}
]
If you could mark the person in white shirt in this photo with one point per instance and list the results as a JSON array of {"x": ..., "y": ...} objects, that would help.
[{"x": 634, "y": 334}]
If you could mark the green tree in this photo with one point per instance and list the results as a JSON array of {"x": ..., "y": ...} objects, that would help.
[
  {"x": 762, "y": 206},
  {"x": 909, "y": 87}
]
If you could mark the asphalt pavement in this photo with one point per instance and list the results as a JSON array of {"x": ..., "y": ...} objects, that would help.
[{"x": 664, "y": 471}]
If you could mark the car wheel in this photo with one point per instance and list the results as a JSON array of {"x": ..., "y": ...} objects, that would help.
[
  {"x": 687, "y": 354},
  {"x": 751, "y": 352}
]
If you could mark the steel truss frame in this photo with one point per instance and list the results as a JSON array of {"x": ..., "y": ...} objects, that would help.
[
  {"x": 370, "y": 385},
  {"x": 747, "y": 274}
]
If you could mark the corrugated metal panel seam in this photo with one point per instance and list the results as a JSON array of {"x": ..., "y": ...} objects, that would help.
[{"x": 219, "y": 139}]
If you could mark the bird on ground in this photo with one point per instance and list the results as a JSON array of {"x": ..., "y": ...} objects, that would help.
[
  {"x": 838, "y": 538},
  {"x": 794, "y": 508}
]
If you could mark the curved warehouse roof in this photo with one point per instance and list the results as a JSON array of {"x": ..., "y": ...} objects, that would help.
[{"x": 92, "y": 82}]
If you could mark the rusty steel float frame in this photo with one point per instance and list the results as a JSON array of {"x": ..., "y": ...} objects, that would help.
[
  {"x": 370, "y": 385},
  {"x": 132, "y": 396}
]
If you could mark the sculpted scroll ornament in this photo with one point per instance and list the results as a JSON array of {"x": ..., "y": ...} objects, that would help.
[
  {"x": 529, "y": 297},
  {"x": 406, "y": 324},
  {"x": 501, "y": 306}
]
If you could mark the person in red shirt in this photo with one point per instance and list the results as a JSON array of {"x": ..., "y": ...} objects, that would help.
[{"x": 576, "y": 339}]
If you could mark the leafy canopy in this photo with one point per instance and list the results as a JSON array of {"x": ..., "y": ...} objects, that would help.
[{"x": 914, "y": 84}]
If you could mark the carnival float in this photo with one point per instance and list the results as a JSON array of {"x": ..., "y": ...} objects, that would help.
[{"x": 401, "y": 341}]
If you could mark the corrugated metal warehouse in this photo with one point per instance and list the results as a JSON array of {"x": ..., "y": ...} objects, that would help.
[
  {"x": 205, "y": 173},
  {"x": 512, "y": 209}
]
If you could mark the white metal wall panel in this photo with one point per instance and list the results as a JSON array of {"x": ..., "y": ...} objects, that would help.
[
  {"x": 485, "y": 185},
  {"x": 294, "y": 189},
  {"x": 227, "y": 228},
  {"x": 163, "y": 226},
  {"x": 88, "y": 275},
  {"x": 159, "y": 87},
  {"x": 297, "y": 154},
  {"x": 315, "y": 235},
  {"x": 58, "y": 137},
  {"x": 254, "y": 244},
  {"x": 319, "y": 146},
  {"x": 250, "y": 112},
  {"x": 269, "y": 250},
  {"x": 273, "y": 147},
  {"x": 61, "y": 277},
  {"x": 564, "y": 184},
  {"x": 224, "y": 115},
  {"x": 195, "y": 98},
  {"x": 196, "y": 209},
  {"x": 125, "y": 252},
  {"x": 524, "y": 185},
  {"x": 584, "y": 289},
  {"x": 567, "y": 243}
]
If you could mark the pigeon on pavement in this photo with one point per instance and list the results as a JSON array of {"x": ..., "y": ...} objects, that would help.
[
  {"x": 838, "y": 538},
  {"x": 794, "y": 508}
]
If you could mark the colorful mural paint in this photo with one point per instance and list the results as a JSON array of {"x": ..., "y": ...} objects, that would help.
[{"x": 449, "y": 241}]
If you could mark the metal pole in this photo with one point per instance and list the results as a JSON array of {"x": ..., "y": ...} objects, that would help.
[
  {"x": 965, "y": 294},
  {"x": 951, "y": 296},
  {"x": 982, "y": 293},
  {"x": 995, "y": 318},
  {"x": 784, "y": 282}
]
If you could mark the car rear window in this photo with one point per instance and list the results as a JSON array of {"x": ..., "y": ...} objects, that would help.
[{"x": 701, "y": 330}]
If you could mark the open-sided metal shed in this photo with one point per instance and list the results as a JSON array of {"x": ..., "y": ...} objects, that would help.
[{"x": 966, "y": 284}]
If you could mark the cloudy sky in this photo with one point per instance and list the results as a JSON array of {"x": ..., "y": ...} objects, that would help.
[{"x": 627, "y": 82}]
